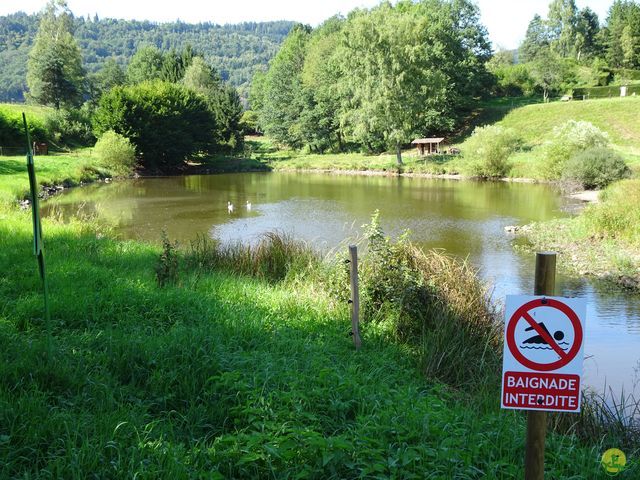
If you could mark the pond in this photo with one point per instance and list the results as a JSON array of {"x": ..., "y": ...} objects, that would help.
[{"x": 465, "y": 218}]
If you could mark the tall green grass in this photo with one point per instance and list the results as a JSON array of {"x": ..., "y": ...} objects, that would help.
[{"x": 243, "y": 368}]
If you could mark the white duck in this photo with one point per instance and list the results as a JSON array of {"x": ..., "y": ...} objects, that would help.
[
  {"x": 248, "y": 205},
  {"x": 230, "y": 207}
]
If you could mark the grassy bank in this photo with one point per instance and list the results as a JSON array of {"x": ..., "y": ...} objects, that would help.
[
  {"x": 603, "y": 241},
  {"x": 67, "y": 169},
  {"x": 534, "y": 123},
  {"x": 241, "y": 366}
]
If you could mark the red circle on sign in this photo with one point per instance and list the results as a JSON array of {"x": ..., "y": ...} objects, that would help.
[{"x": 551, "y": 303}]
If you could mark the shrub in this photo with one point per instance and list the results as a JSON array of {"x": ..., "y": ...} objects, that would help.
[
  {"x": 167, "y": 265},
  {"x": 618, "y": 215},
  {"x": 166, "y": 122},
  {"x": 70, "y": 127},
  {"x": 116, "y": 153},
  {"x": 12, "y": 128},
  {"x": 489, "y": 149},
  {"x": 566, "y": 141},
  {"x": 596, "y": 168},
  {"x": 437, "y": 305}
]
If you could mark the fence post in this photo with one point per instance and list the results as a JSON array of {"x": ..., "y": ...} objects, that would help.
[
  {"x": 355, "y": 297},
  {"x": 545, "y": 284}
]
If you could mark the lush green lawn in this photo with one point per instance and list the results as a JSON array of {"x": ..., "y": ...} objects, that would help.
[
  {"x": 222, "y": 376},
  {"x": 70, "y": 169}
]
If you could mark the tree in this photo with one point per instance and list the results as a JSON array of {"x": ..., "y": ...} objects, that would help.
[
  {"x": 54, "y": 70},
  {"x": 145, "y": 65},
  {"x": 283, "y": 90},
  {"x": 623, "y": 34},
  {"x": 562, "y": 21},
  {"x": 166, "y": 122},
  {"x": 223, "y": 100},
  {"x": 536, "y": 39},
  {"x": 409, "y": 70},
  {"x": 548, "y": 72},
  {"x": 587, "y": 34},
  {"x": 110, "y": 75}
]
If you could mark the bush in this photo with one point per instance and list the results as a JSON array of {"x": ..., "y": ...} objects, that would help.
[
  {"x": 437, "y": 305},
  {"x": 12, "y": 128},
  {"x": 70, "y": 127},
  {"x": 596, "y": 168},
  {"x": 618, "y": 215},
  {"x": 116, "y": 153},
  {"x": 166, "y": 122},
  {"x": 566, "y": 141},
  {"x": 489, "y": 149}
]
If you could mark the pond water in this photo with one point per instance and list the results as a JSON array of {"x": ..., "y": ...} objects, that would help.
[{"x": 465, "y": 218}]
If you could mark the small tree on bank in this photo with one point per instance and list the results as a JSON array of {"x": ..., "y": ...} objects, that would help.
[{"x": 54, "y": 70}]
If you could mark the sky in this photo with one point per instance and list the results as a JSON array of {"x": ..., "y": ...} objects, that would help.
[{"x": 506, "y": 20}]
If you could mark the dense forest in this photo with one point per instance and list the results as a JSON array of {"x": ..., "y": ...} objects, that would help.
[{"x": 235, "y": 51}]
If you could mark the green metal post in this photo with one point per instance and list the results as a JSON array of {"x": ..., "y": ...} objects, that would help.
[{"x": 38, "y": 245}]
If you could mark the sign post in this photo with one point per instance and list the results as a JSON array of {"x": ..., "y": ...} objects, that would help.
[
  {"x": 543, "y": 353},
  {"x": 38, "y": 245}
]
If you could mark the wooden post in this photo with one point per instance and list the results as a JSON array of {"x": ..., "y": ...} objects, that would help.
[
  {"x": 355, "y": 297},
  {"x": 545, "y": 284}
]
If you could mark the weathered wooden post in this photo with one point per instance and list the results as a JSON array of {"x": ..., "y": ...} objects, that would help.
[
  {"x": 545, "y": 284},
  {"x": 355, "y": 297}
]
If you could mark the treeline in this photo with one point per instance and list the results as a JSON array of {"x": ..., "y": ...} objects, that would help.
[
  {"x": 163, "y": 109},
  {"x": 571, "y": 48},
  {"x": 375, "y": 79},
  {"x": 235, "y": 51}
]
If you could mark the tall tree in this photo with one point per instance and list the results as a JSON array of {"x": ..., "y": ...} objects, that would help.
[
  {"x": 587, "y": 34},
  {"x": 623, "y": 34},
  {"x": 54, "y": 70},
  {"x": 146, "y": 64},
  {"x": 562, "y": 21},
  {"x": 536, "y": 39},
  {"x": 283, "y": 90}
]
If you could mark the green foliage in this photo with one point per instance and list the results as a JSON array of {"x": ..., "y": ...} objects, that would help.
[
  {"x": 116, "y": 153},
  {"x": 513, "y": 80},
  {"x": 167, "y": 265},
  {"x": 145, "y": 65},
  {"x": 55, "y": 75},
  {"x": 618, "y": 214},
  {"x": 166, "y": 122},
  {"x": 374, "y": 80},
  {"x": 566, "y": 141},
  {"x": 282, "y": 91},
  {"x": 488, "y": 150},
  {"x": 110, "y": 75},
  {"x": 596, "y": 168},
  {"x": 70, "y": 127},
  {"x": 12, "y": 127},
  {"x": 237, "y": 51},
  {"x": 623, "y": 39},
  {"x": 275, "y": 257},
  {"x": 435, "y": 303},
  {"x": 223, "y": 101}
]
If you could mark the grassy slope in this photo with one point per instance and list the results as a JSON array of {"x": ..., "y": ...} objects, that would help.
[
  {"x": 220, "y": 374},
  {"x": 70, "y": 169}
]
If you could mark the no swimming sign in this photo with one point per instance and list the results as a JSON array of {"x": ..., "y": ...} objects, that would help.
[{"x": 543, "y": 353}]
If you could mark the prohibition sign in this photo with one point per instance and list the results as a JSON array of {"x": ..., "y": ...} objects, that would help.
[{"x": 522, "y": 313}]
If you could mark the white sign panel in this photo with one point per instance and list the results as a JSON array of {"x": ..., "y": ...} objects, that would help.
[{"x": 543, "y": 353}]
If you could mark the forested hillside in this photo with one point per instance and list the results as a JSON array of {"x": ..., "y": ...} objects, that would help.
[{"x": 236, "y": 51}]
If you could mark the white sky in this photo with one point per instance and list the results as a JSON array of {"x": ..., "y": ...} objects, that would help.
[{"x": 506, "y": 20}]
